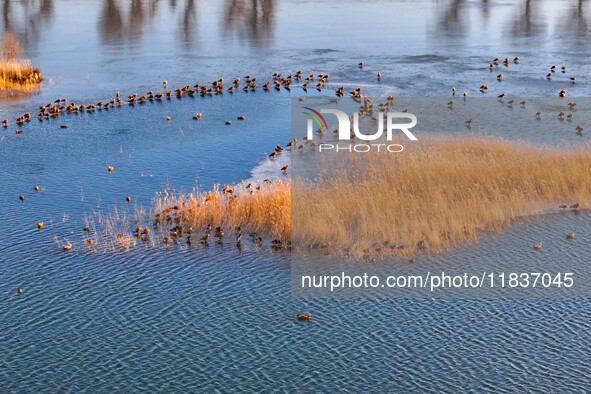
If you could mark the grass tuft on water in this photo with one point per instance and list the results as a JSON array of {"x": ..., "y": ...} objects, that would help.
[{"x": 16, "y": 73}]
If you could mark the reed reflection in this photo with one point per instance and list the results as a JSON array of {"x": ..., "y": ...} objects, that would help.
[{"x": 26, "y": 19}]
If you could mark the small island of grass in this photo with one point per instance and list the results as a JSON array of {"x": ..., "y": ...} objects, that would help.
[{"x": 16, "y": 73}]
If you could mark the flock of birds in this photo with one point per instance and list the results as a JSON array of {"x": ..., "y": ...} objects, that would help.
[
  {"x": 62, "y": 106},
  {"x": 562, "y": 93},
  {"x": 278, "y": 82},
  {"x": 173, "y": 215}
]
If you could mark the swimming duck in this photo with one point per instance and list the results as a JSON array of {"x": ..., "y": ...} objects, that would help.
[
  {"x": 36, "y": 188},
  {"x": 575, "y": 205},
  {"x": 563, "y": 206},
  {"x": 21, "y": 197},
  {"x": 538, "y": 246},
  {"x": 240, "y": 118},
  {"x": 68, "y": 247},
  {"x": 40, "y": 225},
  {"x": 304, "y": 317},
  {"x": 128, "y": 199},
  {"x": 111, "y": 169},
  {"x": 571, "y": 236}
]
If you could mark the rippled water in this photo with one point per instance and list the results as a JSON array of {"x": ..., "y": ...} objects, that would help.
[{"x": 193, "y": 319}]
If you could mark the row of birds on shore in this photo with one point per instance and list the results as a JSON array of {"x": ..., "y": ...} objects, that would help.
[{"x": 60, "y": 106}]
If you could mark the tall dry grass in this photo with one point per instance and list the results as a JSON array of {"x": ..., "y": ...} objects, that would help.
[
  {"x": 16, "y": 73},
  {"x": 266, "y": 210},
  {"x": 433, "y": 196}
]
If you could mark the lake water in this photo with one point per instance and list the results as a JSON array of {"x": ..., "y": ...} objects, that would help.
[{"x": 217, "y": 319}]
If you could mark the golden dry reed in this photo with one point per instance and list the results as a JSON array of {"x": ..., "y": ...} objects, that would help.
[
  {"x": 16, "y": 73},
  {"x": 266, "y": 210},
  {"x": 435, "y": 195}
]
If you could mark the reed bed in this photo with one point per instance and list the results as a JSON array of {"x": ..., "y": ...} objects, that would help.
[
  {"x": 16, "y": 73},
  {"x": 435, "y": 195},
  {"x": 266, "y": 211},
  {"x": 19, "y": 75}
]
